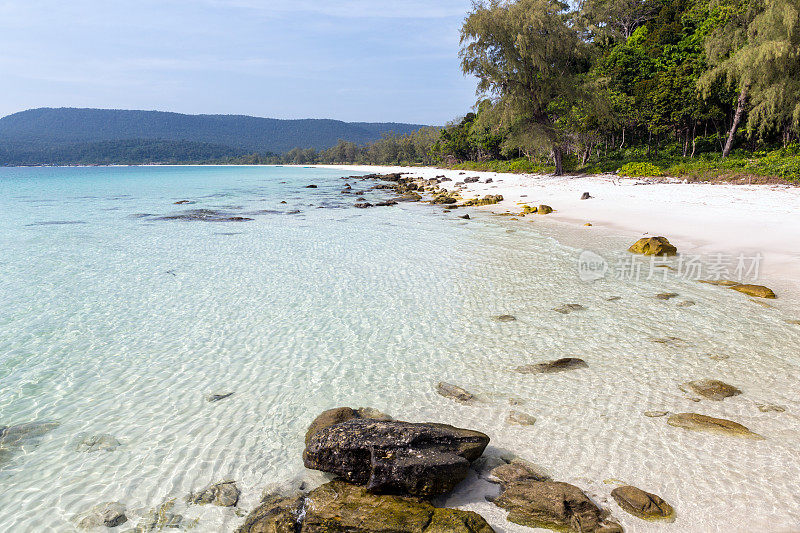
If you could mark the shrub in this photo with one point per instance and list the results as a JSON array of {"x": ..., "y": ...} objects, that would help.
[{"x": 640, "y": 170}]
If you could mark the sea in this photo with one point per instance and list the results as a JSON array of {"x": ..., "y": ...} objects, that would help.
[{"x": 130, "y": 296}]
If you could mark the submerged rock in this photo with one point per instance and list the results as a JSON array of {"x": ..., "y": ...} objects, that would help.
[
  {"x": 505, "y": 318},
  {"x": 720, "y": 282},
  {"x": 517, "y": 471},
  {"x": 454, "y": 392},
  {"x": 217, "y": 397},
  {"x": 362, "y": 205},
  {"x": 95, "y": 443},
  {"x": 659, "y": 246},
  {"x": 711, "y": 389},
  {"x": 569, "y": 308},
  {"x": 553, "y": 505},
  {"x": 160, "y": 518},
  {"x": 465, "y": 217},
  {"x": 697, "y": 422},
  {"x": 108, "y": 514},
  {"x": 667, "y": 295},
  {"x": 757, "y": 291},
  {"x": 396, "y": 457},
  {"x": 341, "y": 507},
  {"x": 655, "y": 414},
  {"x": 311, "y": 186},
  {"x": 549, "y": 367},
  {"x": 14, "y": 437},
  {"x": 520, "y": 419},
  {"x": 643, "y": 504},
  {"x": 223, "y": 494},
  {"x": 204, "y": 215}
]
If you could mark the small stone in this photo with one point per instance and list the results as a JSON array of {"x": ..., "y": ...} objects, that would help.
[
  {"x": 666, "y": 340},
  {"x": 588, "y": 224},
  {"x": 770, "y": 408},
  {"x": 217, "y": 397},
  {"x": 686, "y": 303},
  {"x": 614, "y": 298},
  {"x": 521, "y": 419},
  {"x": 549, "y": 367},
  {"x": 505, "y": 318},
  {"x": 311, "y": 186},
  {"x": 108, "y": 514},
  {"x": 656, "y": 414},
  {"x": 642, "y": 504},
  {"x": 465, "y": 217},
  {"x": 362, "y": 205},
  {"x": 585, "y": 196},
  {"x": 223, "y": 494},
  {"x": 454, "y": 392},
  {"x": 711, "y": 389},
  {"x": 667, "y": 295},
  {"x": 95, "y": 443},
  {"x": 698, "y": 422},
  {"x": 720, "y": 357},
  {"x": 569, "y": 308}
]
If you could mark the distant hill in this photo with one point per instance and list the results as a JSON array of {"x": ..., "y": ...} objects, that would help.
[{"x": 98, "y": 136}]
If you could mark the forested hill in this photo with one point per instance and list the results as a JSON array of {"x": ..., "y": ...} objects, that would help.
[{"x": 68, "y": 136}]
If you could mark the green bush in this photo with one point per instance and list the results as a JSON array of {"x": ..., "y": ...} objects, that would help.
[{"x": 640, "y": 170}]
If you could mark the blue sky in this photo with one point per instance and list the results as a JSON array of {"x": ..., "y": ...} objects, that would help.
[{"x": 354, "y": 60}]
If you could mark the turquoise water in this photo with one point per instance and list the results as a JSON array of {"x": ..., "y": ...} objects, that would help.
[{"x": 117, "y": 322}]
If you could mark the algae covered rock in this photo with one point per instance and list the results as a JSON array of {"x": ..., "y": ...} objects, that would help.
[
  {"x": 396, "y": 457},
  {"x": 643, "y": 504},
  {"x": 553, "y": 505},
  {"x": 486, "y": 200},
  {"x": 698, "y": 422},
  {"x": 108, "y": 514},
  {"x": 711, "y": 389},
  {"x": 544, "y": 210},
  {"x": 757, "y": 291},
  {"x": 659, "y": 246},
  {"x": 338, "y": 415},
  {"x": 223, "y": 494},
  {"x": 275, "y": 515}
]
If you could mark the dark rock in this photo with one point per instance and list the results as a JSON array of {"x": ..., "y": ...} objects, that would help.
[
  {"x": 489, "y": 180},
  {"x": 667, "y": 295},
  {"x": 223, "y": 494},
  {"x": 204, "y": 215},
  {"x": 472, "y": 179},
  {"x": 643, "y": 504},
  {"x": 283, "y": 201},
  {"x": 311, "y": 186},
  {"x": 454, "y": 392},
  {"x": 396, "y": 457},
  {"x": 331, "y": 417},
  {"x": 465, "y": 217},
  {"x": 182, "y": 202},
  {"x": 386, "y": 203},
  {"x": 108, "y": 514},
  {"x": 553, "y": 505},
  {"x": 363, "y": 205},
  {"x": 443, "y": 179},
  {"x": 585, "y": 196},
  {"x": 217, "y": 397},
  {"x": 559, "y": 365},
  {"x": 275, "y": 515}
]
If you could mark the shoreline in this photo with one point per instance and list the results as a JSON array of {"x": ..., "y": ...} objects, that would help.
[{"x": 701, "y": 219}]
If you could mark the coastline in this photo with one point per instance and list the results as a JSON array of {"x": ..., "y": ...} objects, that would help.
[{"x": 699, "y": 218}]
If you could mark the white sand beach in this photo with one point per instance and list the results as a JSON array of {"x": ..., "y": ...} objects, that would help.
[{"x": 699, "y": 218}]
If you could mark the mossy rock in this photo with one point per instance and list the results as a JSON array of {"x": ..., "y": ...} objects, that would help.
[
  {"x": 643, "y": 504},
  {"x": 757, "y": 291},
  {"x": 658, "y": 246},
  {"x": 527, "y": 210},
  {"x": 486, "y": 200},
  {"x": 712, "y": 389},
  {"x": 544, "y": 210}
]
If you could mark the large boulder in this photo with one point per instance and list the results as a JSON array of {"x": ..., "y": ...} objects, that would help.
[
  {"x": 553, "y": 505},
  {"x": 396, "y": 457},
  {"x": 697, "y": 422},
  {"x": 643, "y": 504},
  {"x": 338, "y": 415},
  {"x": 653, "y": 246},
  {"x": 338, "y": 507}
]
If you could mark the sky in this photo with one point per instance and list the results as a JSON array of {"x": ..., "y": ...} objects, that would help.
[{"x": 352, "y": 60}]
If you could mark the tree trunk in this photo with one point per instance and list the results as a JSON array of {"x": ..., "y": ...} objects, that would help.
[
  {"x": 623, "y": 139},
  {"x": 736, "y": 119},
  {"x": 694, "y": 139},
  {"x": 557, "y": 159}
]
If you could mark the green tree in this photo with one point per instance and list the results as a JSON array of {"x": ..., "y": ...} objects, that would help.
[{"x": 528, "y": 59}]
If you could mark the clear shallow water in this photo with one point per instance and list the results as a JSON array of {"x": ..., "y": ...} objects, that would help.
[{"x": 121, "y": 324}]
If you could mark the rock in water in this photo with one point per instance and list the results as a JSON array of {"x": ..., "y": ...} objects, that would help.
[
  {"x": 653, "y": 246},
  {"x": 643, "y": 504},
  {"x": 544, "y": 210},
  {"x": 505, "y": 318},
  {"x": 109, "y": 514},
  {"x": 697, "y": 422},
  {"x": 711, "y": 388},
  {"x": 569, "y": 308},
  {"x": 94, "y": 443},
  {"x": 223, "y": 494},
  {"x": 757, "y": 291},
  {"x": 521, "y": 419},
  {"x": 515, "y": 472},
  {"x": 585, "y": 196},
  {"x": 396, "y": 457},
  {"x": 217, "y": 397},
  {"x": 454, "y": 392},
  {"x": 667, "y": 295},
  {"x": 559, "y": 365},
  {"x": 340, "y": 507},
  {"x": 553, "y": 505}
]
